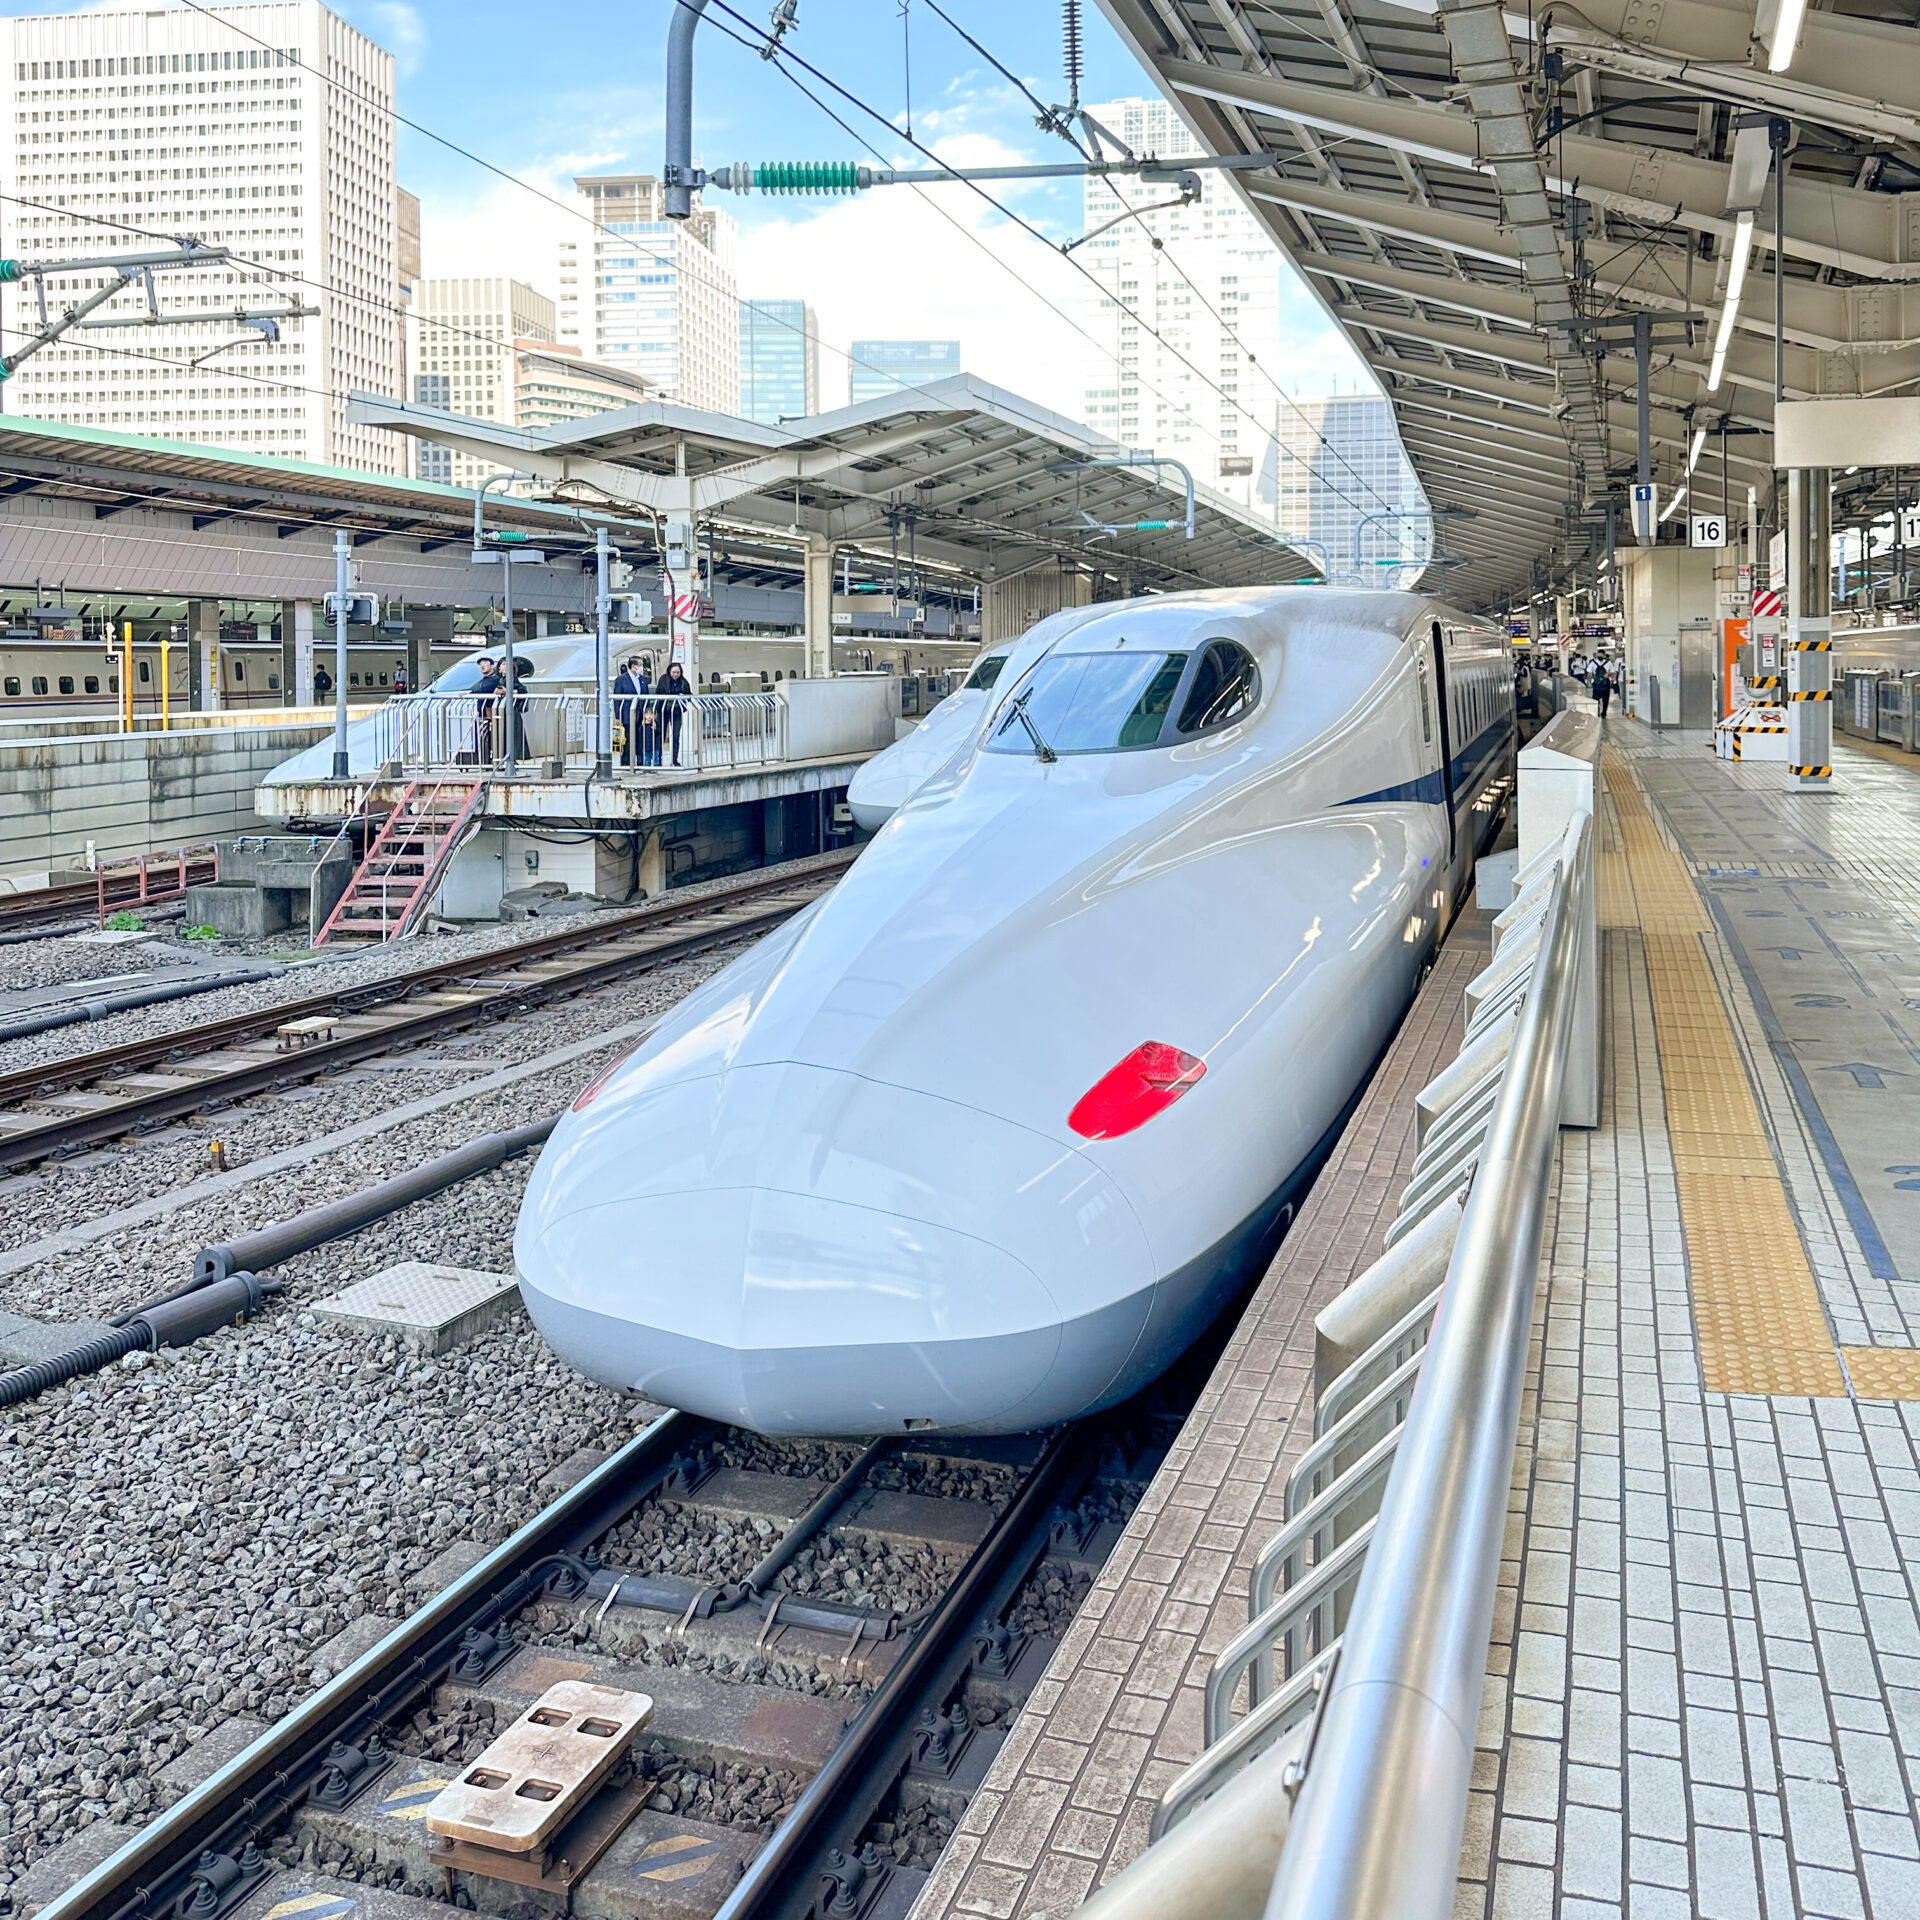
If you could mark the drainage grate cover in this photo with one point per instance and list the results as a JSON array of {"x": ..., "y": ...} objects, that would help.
[{"x": 430, "y": 1307}]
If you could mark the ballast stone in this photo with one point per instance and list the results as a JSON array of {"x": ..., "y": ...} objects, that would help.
[{"x": 430, "y": 1307}]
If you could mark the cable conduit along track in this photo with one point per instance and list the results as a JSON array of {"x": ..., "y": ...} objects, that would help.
[{"x": 496, "y": 985}]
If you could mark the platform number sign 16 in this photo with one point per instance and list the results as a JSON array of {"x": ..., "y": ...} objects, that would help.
[{"x": 1706, "y": 530}]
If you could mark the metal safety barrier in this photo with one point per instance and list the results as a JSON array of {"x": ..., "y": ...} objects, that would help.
[
  {"x": 1370, "y": 1612},
  {"x": 693, "y": 732}
]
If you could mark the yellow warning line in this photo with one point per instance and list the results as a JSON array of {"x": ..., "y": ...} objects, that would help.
[{"x": 1756, "y": 1305}]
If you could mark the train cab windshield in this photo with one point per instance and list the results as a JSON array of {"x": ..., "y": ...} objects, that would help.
[
  {"x": 1092, "y": 703},
  {"x": 984, "y": 674}
]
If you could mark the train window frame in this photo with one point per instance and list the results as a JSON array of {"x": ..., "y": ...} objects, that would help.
[
  {"x": 1005, "y": 734},
  {"x": 992, "y": 665},
  {"x": 66, "y": 683},
  {"x": 40, "y": 683},
  {"x": 1196, "y": 666},
  {"x": 239, "y": 670},
  {"x": 12, "y": 685},
  {"x": 146, "y": 671},
  {"x": 90, "y": 683}
]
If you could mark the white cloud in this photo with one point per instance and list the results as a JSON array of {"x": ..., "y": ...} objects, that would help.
[
  {"x": 398, "y": 27},
  {"x": 504, "y": 228}
]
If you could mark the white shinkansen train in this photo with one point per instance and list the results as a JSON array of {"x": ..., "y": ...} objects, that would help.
[{"x": 988, "y": 1136}]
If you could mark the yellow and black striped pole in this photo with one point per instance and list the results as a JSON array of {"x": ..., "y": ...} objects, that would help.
[{"x": 1809, "y": 630}]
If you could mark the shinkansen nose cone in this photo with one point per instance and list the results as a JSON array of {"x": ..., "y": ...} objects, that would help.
[{"x": 797, "y": 1249}]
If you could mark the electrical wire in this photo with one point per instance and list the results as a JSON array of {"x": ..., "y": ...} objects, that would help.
[
  {"x": 783, "y": 56},
  {"x": 755, "y": 42}
]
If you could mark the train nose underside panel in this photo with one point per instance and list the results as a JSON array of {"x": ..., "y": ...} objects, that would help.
[{"x": 800, "y": 1250}]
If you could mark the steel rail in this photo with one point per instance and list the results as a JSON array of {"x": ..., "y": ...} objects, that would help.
[
  {"x": 836, "y": 1804},
  {"x": 62, "y": 1132},
  {"x": 267, "y": 1779},
  {"x": 97, "y": 1063},
  {"x": 1393, "y": 1755}
]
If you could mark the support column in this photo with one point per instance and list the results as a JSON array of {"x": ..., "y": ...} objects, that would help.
[
  {"x": 819, "y": 607},
  {"x": 203, "y": 656},
  {"x": 681, "y": 580},
  {"x": 296, "y": 652},
  {"x": 1809, "y": 629}
]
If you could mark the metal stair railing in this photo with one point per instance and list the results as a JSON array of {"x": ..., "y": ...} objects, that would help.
[{"x": 1365, "y": 1735}]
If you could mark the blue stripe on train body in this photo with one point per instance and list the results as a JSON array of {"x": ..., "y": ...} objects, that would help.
[{"x": 1470, "y": 768}]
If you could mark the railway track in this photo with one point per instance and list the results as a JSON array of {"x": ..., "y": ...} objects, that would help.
[
  {"x": 77, "y": 900},
  {"x": 64, "y": 1105},
  {"x": 792, "y": 1738}
]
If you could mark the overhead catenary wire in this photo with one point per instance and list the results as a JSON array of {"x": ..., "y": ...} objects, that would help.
[
  {"x": 781, "y": 59},
  {"x": 1138, "y": 216},
  {"x": 756, "y": 43}
]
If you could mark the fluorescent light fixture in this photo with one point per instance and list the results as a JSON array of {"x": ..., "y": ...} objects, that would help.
[
  {"x": 1736, "y": 279},
  {"x": 1693, "y": 452},
  {"x": 1672, "y": 506},
  {"x": 1786, "y": 34}
]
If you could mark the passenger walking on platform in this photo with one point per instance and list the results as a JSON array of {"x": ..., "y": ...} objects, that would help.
[
  {"x": 322, "y": 683},
  {"x": 1601, "y": 686},
  {"x": 676, "y": 684},
  {"x": 626, "y": 709}
]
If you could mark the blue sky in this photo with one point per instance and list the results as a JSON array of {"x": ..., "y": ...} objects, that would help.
[{"x": 544, "y": 92}]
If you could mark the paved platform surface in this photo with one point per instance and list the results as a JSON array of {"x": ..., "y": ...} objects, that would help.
[
  {"x": 1703, "y": 1695},
  {"x": 1067, "y": 1801}
]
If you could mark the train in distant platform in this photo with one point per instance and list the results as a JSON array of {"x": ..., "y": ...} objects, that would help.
[{"x": 985, "y": 1138}]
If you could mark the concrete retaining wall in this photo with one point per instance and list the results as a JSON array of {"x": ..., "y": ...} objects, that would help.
[{"x": 127, "y": 793}]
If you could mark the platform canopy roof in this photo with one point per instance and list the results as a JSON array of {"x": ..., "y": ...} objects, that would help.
[
  {"x": 1467, "y": 191},
  {"x": 977, "y": 478},
  {"x": 117, "y": 471}
]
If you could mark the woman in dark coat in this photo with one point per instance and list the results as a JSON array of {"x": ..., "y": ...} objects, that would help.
[{"x": 675, "y": 682}]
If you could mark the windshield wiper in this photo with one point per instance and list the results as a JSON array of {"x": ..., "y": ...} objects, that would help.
[{"x": 1018, "y": 711}]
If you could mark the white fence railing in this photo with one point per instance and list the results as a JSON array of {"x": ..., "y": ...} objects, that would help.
[{"x": 535, "y": 732}]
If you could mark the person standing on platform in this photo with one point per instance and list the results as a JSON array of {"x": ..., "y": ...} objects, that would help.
[
  {"x": 676, "y": 684},
  {"x": 626, "y": 708},
  {"x": 486, "y": 697},
  {"x": 1601, "y": 686}
]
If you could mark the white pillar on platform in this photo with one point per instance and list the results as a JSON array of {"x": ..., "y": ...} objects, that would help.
[{"x": 819, "y": 607}]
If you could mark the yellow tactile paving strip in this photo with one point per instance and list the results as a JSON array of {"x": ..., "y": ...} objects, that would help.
[{"x": 1756, "y": 1305}]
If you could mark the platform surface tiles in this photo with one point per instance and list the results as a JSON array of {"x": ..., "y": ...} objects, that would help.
[{"x": 1703, "y": 1695}]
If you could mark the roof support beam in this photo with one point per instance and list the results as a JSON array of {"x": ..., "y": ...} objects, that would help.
[{"x": 1839, "y": 227}]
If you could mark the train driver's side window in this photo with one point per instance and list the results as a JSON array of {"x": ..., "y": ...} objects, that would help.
[{"x": 1225, "y": 687}]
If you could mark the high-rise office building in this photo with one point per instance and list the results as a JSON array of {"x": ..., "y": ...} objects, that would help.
[
  {"x": 267, "y": 129},
  {"x": 467, "y": 329},
  {"x": 885, "y": 366},
  {"x": 779, "y": 361},
  {"x": 1190, "y": 313},
  {"x": 654, "y": 295},
  {"x": 487, "y": 350},
  {"x": 1339, "y": 467},
  {"x": 556, "y": 383}
]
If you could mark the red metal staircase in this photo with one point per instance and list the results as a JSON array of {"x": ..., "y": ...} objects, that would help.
[{"x": 406, "y": 862}]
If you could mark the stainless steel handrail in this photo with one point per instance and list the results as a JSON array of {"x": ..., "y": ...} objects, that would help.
[
  {"x": 1393, "y": 1753},
  {"x": 1373, "y": 1366},
  {"x": 1334, "y": 1796},
  {"x": 1274, "y": 1718},
  {"x": 1280, "y": 1558},
  {"x": 1300, "y": 1604}
]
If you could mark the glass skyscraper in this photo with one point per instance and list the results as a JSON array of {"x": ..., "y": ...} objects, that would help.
[
  {"x": 779, "y": 361},
  {"x": 885, "y": 366}
]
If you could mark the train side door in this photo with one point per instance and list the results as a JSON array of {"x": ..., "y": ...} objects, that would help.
[{"x": 1446, "y": 730}]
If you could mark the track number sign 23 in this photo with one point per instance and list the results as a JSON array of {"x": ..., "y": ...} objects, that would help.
[{"x": 1706, "y": 530}]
